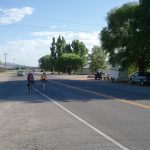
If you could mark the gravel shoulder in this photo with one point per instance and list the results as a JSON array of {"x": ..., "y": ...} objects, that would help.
[{"x": 5, "y": 76}]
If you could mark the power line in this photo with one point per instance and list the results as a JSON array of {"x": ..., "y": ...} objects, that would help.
[
  {"x": 49, "y": 28},
  {"x": 68, "y": 12},
  {"x": 5, "y": 54}
]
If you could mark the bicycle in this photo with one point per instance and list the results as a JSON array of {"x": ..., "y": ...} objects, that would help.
[
  {"x": 43, "y": 86},
  {"x": 30, "y": 87}
]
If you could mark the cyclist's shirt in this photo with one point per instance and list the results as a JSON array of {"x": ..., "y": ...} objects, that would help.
[
  {"x": 30, "y": 77},
  {"x": 43, "y": 77}
]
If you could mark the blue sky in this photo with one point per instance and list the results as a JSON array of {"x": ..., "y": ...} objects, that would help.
[{"x": 27, "y": 26}]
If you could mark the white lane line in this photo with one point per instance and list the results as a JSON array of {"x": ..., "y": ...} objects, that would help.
[{"x": 83, "y": 121}]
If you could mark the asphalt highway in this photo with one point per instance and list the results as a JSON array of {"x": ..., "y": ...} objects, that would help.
[{"x": 73, "y": 114}]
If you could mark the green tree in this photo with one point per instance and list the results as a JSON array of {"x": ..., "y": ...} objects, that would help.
[
  {"x": 45, "y": 63},
  {"x": 121, "y": 39},
  {"x": 68, "y": 48},
  {"x": 60, "y": 46},
  {"x": 80, "y": 49},
  {"x": 53, "y": 53},
  {"x": 98, "y": 59},
  {"x": 69, "y": 62},
  {"x": 144, "y": 33}
]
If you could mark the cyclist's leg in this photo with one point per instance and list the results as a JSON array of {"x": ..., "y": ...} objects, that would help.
[
  {"x": 44, "y": 86},
  {"x": 41, "y": 83},
  {"x": 30, "y": 87}
]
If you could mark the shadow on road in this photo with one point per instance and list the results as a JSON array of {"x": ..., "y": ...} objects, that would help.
[
  {"x": 17, "y": 91},
  {"x": 108, "y": 89}
]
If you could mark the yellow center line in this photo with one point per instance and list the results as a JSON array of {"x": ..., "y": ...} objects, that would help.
[
  {"x": 106, "y": 96},
  {"x": 134, "y": 103}
]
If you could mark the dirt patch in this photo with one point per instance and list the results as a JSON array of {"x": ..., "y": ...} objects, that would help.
[
  {"x": 5, "y": 76},
  {"x": 70, "y": 77}
]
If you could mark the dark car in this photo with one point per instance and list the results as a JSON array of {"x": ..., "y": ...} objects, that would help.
[
  {"x": 99, "y": 75},
  {"x": 140, "y": 77}
]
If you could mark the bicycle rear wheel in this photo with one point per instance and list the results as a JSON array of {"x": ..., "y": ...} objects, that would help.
[
  {"x": 30, "y": 88},
  {"x": 44, "y": 87}
]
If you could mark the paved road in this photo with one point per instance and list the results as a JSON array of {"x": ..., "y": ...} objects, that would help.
[{"x": 74, "y": 115}]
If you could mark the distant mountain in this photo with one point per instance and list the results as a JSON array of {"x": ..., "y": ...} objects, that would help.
[{"x": 10, "y": 65}]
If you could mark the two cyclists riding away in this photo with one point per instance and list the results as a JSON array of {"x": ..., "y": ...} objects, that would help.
[{"x": 30, "y": 79}]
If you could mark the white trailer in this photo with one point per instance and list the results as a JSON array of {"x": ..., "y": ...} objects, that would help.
[{"x": 118, "y": 75}]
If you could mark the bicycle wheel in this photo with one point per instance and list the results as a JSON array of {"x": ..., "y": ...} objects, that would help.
[
  {"x": 30, "y": 88},
  {"x": 44, "y": 87}
]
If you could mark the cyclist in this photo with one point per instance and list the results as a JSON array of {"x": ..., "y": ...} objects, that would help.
[
  {"x": 30, "y": 78},
  {"x": 44, "y": 80},
  {"x": 44, "y": 77}
]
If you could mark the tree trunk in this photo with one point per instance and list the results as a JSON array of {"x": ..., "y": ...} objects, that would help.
[
  {"x": 141, "y": 64},
  {"x": 69, "y": 71}
]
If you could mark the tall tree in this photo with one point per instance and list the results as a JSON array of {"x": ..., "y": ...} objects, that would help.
[
  {"x": 144, "y": 32},
  {"x": 121, "y": 39},
  {"x": 80, "y": 49},
  {"x": 53, "y": 53},
  {"x": 98, "y": 59},
  {"x": 60, "y": 45}
]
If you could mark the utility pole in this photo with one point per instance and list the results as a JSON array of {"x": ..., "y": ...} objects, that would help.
[
  {"x": 14, "y": 63},
  {"x": 5, "y": 54}
]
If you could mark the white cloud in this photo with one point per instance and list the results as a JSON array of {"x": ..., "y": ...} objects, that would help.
[
  {"x": 89, "y": 39},
  {"x": 27, "y": 52},
  {"x": 13, "y": 15}
]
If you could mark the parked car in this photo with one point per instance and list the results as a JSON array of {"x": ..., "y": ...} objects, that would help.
[
  {"x": 20, "y": 73},
  {"x": 140, "y": 77}
]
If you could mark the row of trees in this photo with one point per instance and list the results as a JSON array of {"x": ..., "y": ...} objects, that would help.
[
  {"x": 126, "y": 39},
  {"x": 65, "y": 57},
  {"x": 71, "y": 57}
]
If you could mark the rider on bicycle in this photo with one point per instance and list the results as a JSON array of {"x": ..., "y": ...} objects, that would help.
[
  {"x": 44, "y": 77},
  {"x": 30, "y": 78}
]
